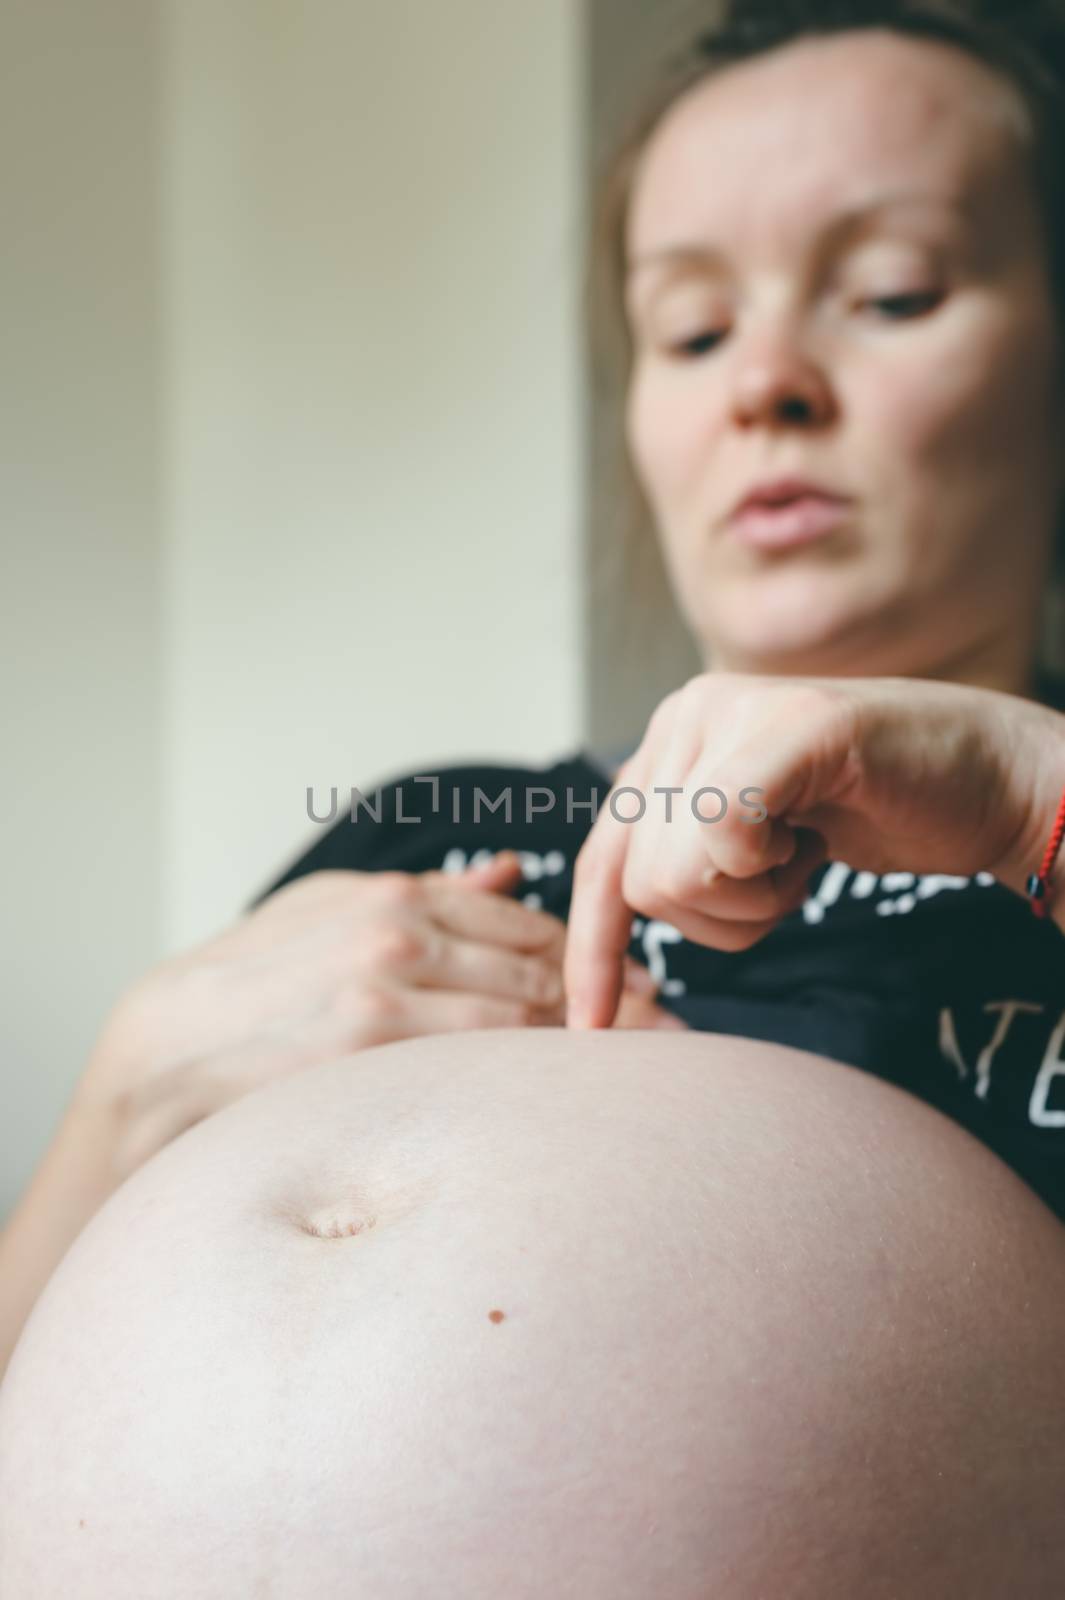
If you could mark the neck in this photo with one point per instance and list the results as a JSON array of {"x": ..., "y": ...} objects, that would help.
[
  {"x": 1006, "y": 662},
  {"x": 1009, "y": 670}
]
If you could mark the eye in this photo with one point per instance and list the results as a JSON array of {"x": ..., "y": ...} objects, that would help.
[
  {"x": 700, "y": 345},
  {"x": 895, "y": 307},
  {"x": 899, "y": 307}
]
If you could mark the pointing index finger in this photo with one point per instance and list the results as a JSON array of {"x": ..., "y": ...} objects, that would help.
[{"x": 598, "y": 928}]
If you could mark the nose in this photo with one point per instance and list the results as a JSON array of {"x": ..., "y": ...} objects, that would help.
[{"x": 779, "y": 383}]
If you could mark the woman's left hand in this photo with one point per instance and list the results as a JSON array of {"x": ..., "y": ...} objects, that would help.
[{"x": 887, "y": 774}]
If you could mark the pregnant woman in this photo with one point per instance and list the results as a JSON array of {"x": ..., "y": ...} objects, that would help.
[{"x": 752, "y": 1285}]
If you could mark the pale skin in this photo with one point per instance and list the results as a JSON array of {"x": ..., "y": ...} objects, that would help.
[
  {"x": 911, "y": 361},
  {"x": 883, "y": 773},
  {"x": 531, "y": 1312},
  {"x": 335, "y": 962},
  {"x": 880, "y": 322},
  {"x": 944, "y": 429}
]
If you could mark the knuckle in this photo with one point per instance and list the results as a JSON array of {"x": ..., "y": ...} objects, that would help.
[
  {"x": 528, "y": 979},
  {"x": 651, "y": 893},
  {"x": 520, "y": 1014},
  {"x": 480, "y": 1012},
  {"x": 398, "y": 889},
  {"x": 392, "y": 945},
  {"x": 549, "y": 930},
  {"x": 812, "y": 702},
  {"x": 543, "y": 984},
  {"x": 373, "y": 1009},
  {"x": 677, "y": 885},
  {"x": 474, "y": 1013}
]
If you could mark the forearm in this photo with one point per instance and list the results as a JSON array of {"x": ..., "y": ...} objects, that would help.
[{"x": 75, "y": 1177}]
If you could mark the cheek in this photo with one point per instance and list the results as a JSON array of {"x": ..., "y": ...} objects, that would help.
[
  {"x": 667, "y": 441},
  {"x": 963, "y": 419}
]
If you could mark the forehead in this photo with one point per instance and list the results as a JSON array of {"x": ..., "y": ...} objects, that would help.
[{"x": 815, "y": 125}]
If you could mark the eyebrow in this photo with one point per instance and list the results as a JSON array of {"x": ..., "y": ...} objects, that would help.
[{"x": 838, "y": 226}]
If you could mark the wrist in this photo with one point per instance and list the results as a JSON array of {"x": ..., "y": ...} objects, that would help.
[
  {"x": 102, "y": 1119},
  {"x": 1045, "y": 886},
  {"x": 1044, "y": 777},
  {"x": 111, "y": 1128},
  {"x": 83, "y": 1160}
]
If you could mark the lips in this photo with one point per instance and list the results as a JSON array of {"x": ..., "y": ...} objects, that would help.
[
  {"x": 774, "y": 491},
  {"x": 782, "y": 525},
  {"x": 781, "y": 512}
]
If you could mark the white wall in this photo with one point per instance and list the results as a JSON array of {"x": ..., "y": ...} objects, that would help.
[
  {"x": 292, "y": 486},
  {"x": 80, "y": 909},
  {"x": 637, "y": 648},
  {"x": 298, "y": 484},
  {"x": 375, "y": 502}
]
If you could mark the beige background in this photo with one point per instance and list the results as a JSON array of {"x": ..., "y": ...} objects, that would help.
[{"x": 300, "y": 482}]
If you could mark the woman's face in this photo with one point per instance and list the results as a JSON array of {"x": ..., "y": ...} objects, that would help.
[{"x": 906, "y": 358}]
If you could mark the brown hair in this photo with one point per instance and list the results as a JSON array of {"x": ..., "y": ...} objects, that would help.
[{"x": 1024, "y": 42}]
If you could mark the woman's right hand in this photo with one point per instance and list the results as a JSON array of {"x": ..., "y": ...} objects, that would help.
[{"x": 331, "y": 964}]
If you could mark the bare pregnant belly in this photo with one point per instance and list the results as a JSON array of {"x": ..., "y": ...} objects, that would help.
[{"x": 533, "y": 1313}]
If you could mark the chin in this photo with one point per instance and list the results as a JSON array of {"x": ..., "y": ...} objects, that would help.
[
  {"x": 798, "y": 649},
  {"x": 790, "y": 623}
]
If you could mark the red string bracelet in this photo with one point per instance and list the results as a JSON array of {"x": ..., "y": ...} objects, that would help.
[{"x": 1038, "y": 882}]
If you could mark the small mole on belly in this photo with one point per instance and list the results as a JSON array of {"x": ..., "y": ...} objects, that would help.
[{"x": 495, "y": 1316}]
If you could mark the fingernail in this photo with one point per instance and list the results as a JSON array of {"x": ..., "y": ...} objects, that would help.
[
  {"x": 576, "y": 1014},
  {"x": 502, "y": 861}
]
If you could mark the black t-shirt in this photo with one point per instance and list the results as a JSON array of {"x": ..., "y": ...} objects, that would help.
[{"x": 946, "y": 986}]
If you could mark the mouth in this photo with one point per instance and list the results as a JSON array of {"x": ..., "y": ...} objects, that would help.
[{"x": 788, "y": 523}]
